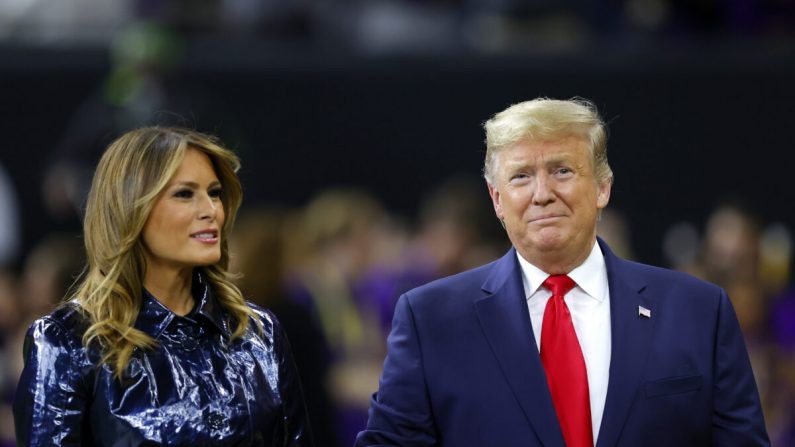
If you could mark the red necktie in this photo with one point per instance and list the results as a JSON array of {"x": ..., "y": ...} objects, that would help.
[{"x": 565, "y": 366}]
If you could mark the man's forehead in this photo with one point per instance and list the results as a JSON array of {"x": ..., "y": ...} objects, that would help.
[{"x": 547, "y": 151}]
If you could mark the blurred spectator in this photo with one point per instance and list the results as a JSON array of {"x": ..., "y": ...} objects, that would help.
[
  {"x": 9, "y": 220},
  {"x": 10, "y": 316},
  {"x": 50, "y": 269},
  {"x": 614, "y": 229},
  {"x": 730, "y": 250},
  {"x": 729, "y": 257},
  {"x": 258, "y": 247},
  {"x": 775, "y": 253},
  {"x": 10, "y": 313},
  {"x": 681, "y": 243},
  {"x": 339, "y": 228},
  {"x": 781, "y": 402},
  {"x": 457, "y": 230}
]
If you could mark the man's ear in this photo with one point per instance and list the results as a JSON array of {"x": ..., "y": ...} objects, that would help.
[
  {"x": 494, "y": 193},
  {"x": 603, "y": 193}
]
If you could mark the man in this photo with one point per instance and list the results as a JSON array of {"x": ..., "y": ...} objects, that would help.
[{"x": 560, "y": 342}]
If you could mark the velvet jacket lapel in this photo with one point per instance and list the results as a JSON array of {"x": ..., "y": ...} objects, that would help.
[
  {"x": 505, "y": 321},
  {"x": 630, "y": 338}
]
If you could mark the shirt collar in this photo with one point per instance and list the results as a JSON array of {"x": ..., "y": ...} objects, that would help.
[
  {"x": 590, "y": 276},
  {"x": 154, "y": 317}
]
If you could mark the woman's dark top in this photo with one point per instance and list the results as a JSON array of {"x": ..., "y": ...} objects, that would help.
[{"x": 198, "y": 387}]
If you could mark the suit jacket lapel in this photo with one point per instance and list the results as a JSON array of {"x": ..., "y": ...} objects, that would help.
[
  {"x": 505, "y": 321},
  {"x": 630, "y": 339}
]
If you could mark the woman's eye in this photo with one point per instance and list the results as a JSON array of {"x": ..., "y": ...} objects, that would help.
[
  {"x": 215, "y": 193},
  {"x": 184, "y": 194}
]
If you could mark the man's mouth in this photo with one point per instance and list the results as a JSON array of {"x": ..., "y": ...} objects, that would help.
[{"x": 545, "y": 217}]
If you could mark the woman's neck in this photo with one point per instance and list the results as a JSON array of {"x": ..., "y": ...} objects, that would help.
[{"x": 172, "y": 288}]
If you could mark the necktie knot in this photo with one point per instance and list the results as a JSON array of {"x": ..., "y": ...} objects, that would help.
[{"x": 559, "y": 284}]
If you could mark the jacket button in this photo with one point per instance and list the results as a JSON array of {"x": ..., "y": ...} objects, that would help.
[
  {"x": 215, "y": 421},
  {"x": 190, "y": 343}
]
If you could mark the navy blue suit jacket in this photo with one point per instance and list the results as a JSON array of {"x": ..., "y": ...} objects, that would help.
[{"x": 463, "y": 368}]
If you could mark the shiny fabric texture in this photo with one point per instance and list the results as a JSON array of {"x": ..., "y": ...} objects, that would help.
[{"x": 198, "y": 387}]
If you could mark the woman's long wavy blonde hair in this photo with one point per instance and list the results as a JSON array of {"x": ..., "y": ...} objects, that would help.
[{"x": 132, "y": 173}]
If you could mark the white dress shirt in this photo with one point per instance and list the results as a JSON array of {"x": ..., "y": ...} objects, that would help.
[{"x": 589, "y": 305}]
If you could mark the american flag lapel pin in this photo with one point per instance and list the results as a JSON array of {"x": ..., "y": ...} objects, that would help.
[{"x": 643, "y": 312}]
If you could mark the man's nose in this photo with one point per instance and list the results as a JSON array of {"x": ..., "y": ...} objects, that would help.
[{"x": 544, "y": 192}]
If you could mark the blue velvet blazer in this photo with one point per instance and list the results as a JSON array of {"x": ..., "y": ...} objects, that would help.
[
  {"x": 198, "y": 387},
  {"x": 463, "y": 368}
]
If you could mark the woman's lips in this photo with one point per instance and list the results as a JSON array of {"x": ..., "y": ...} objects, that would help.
[{"x": 206, "y": 236}]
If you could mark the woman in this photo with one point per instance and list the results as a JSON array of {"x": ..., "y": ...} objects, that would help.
[{"x": 157, "y": 345}]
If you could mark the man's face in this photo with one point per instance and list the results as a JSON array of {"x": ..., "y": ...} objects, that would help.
[{"x": 548, "y": 197}]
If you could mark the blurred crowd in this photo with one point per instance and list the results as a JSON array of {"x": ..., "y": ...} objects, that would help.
[
  {"x": 333, "y": 269},
  {"x": 752, "y": 262},
  {"x": 406, "y": 25}
]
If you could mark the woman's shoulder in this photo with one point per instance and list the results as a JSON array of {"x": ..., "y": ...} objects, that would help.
[
  {"x": 272, "y": 329},
  {"x": 54, "y": 343},
  {"x": 265, "y": 316},
  {"x": 63, "y": 326}
]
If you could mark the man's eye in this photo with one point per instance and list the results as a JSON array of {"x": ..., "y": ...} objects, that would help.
[
  {"x": 564, "y": 171},
  {"x": 184, "y": 194}
]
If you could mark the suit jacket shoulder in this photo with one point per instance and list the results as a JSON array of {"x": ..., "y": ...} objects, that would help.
[{"x": 658, "y": 274}]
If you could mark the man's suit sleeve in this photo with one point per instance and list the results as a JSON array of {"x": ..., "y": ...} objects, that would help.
[
  {"x": 400, "y": 412},
  {"x": 737, "y": 417}
]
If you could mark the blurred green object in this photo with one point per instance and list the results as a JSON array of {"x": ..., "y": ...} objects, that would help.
[{"x": 138, "y": 52}]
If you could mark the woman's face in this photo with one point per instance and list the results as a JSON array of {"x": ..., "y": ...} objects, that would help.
[{"x": 184, "y": 228}]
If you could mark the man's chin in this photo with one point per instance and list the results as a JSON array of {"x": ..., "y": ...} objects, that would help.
[
  {"x": 549, "y": 239},
  {"x": 542, "y": 246}
]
